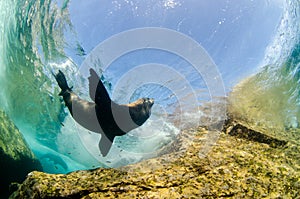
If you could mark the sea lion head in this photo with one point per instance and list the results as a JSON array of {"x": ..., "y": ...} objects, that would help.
[{"x": 140, "y": 110}]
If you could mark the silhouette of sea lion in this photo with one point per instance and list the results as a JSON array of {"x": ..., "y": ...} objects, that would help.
[{"x": 103, "y": 115}]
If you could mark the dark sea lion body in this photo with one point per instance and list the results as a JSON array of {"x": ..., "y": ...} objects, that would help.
[{"x": 104, "y": 116}]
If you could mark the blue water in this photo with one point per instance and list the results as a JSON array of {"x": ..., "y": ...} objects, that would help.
[{"x": 243, "y": 38}]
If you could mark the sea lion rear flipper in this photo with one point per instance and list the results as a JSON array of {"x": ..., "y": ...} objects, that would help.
[
  {"x": 62, "y": 82},
  {"x": 98, "y": 92},
  {"x": 105, "y": 143}
]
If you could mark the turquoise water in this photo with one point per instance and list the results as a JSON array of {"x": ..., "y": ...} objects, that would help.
[{"x": 38, "y": 37}]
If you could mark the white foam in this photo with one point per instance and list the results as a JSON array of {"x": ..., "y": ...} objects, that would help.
[{"x": 286, "y": 37}]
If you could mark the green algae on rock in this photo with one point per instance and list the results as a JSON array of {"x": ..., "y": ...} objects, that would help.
[
  {"x": 17, "y": 160},
  {"x": 235, "y": 167}
]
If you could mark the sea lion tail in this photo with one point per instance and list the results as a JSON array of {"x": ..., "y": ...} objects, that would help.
[{"x": 62, "y": 82}]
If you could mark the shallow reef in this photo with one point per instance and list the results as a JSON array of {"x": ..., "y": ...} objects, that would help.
[{"x": 242, "y": 163}]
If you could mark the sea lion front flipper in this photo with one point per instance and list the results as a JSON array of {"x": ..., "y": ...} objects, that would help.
[
  {"x": 105, "y": 143},
  {"x": 98, "y": 92}
]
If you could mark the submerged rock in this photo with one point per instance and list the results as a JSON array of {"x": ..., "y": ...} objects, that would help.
[
  {"x": 17, "y": 160},
  {"x": 234, "y": 167},
  {"x": 237, "y": 129}
]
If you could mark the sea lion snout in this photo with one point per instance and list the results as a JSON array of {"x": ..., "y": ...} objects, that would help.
[{"x": 150, "y": 101}]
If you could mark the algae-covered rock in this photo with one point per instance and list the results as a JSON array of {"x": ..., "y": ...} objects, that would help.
[
  {"x": 17, "y": 160},
  {"x": 235, "y": 167}
]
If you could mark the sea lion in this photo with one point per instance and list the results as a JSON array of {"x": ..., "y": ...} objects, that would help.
[{"x": 103, "y": 115}]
